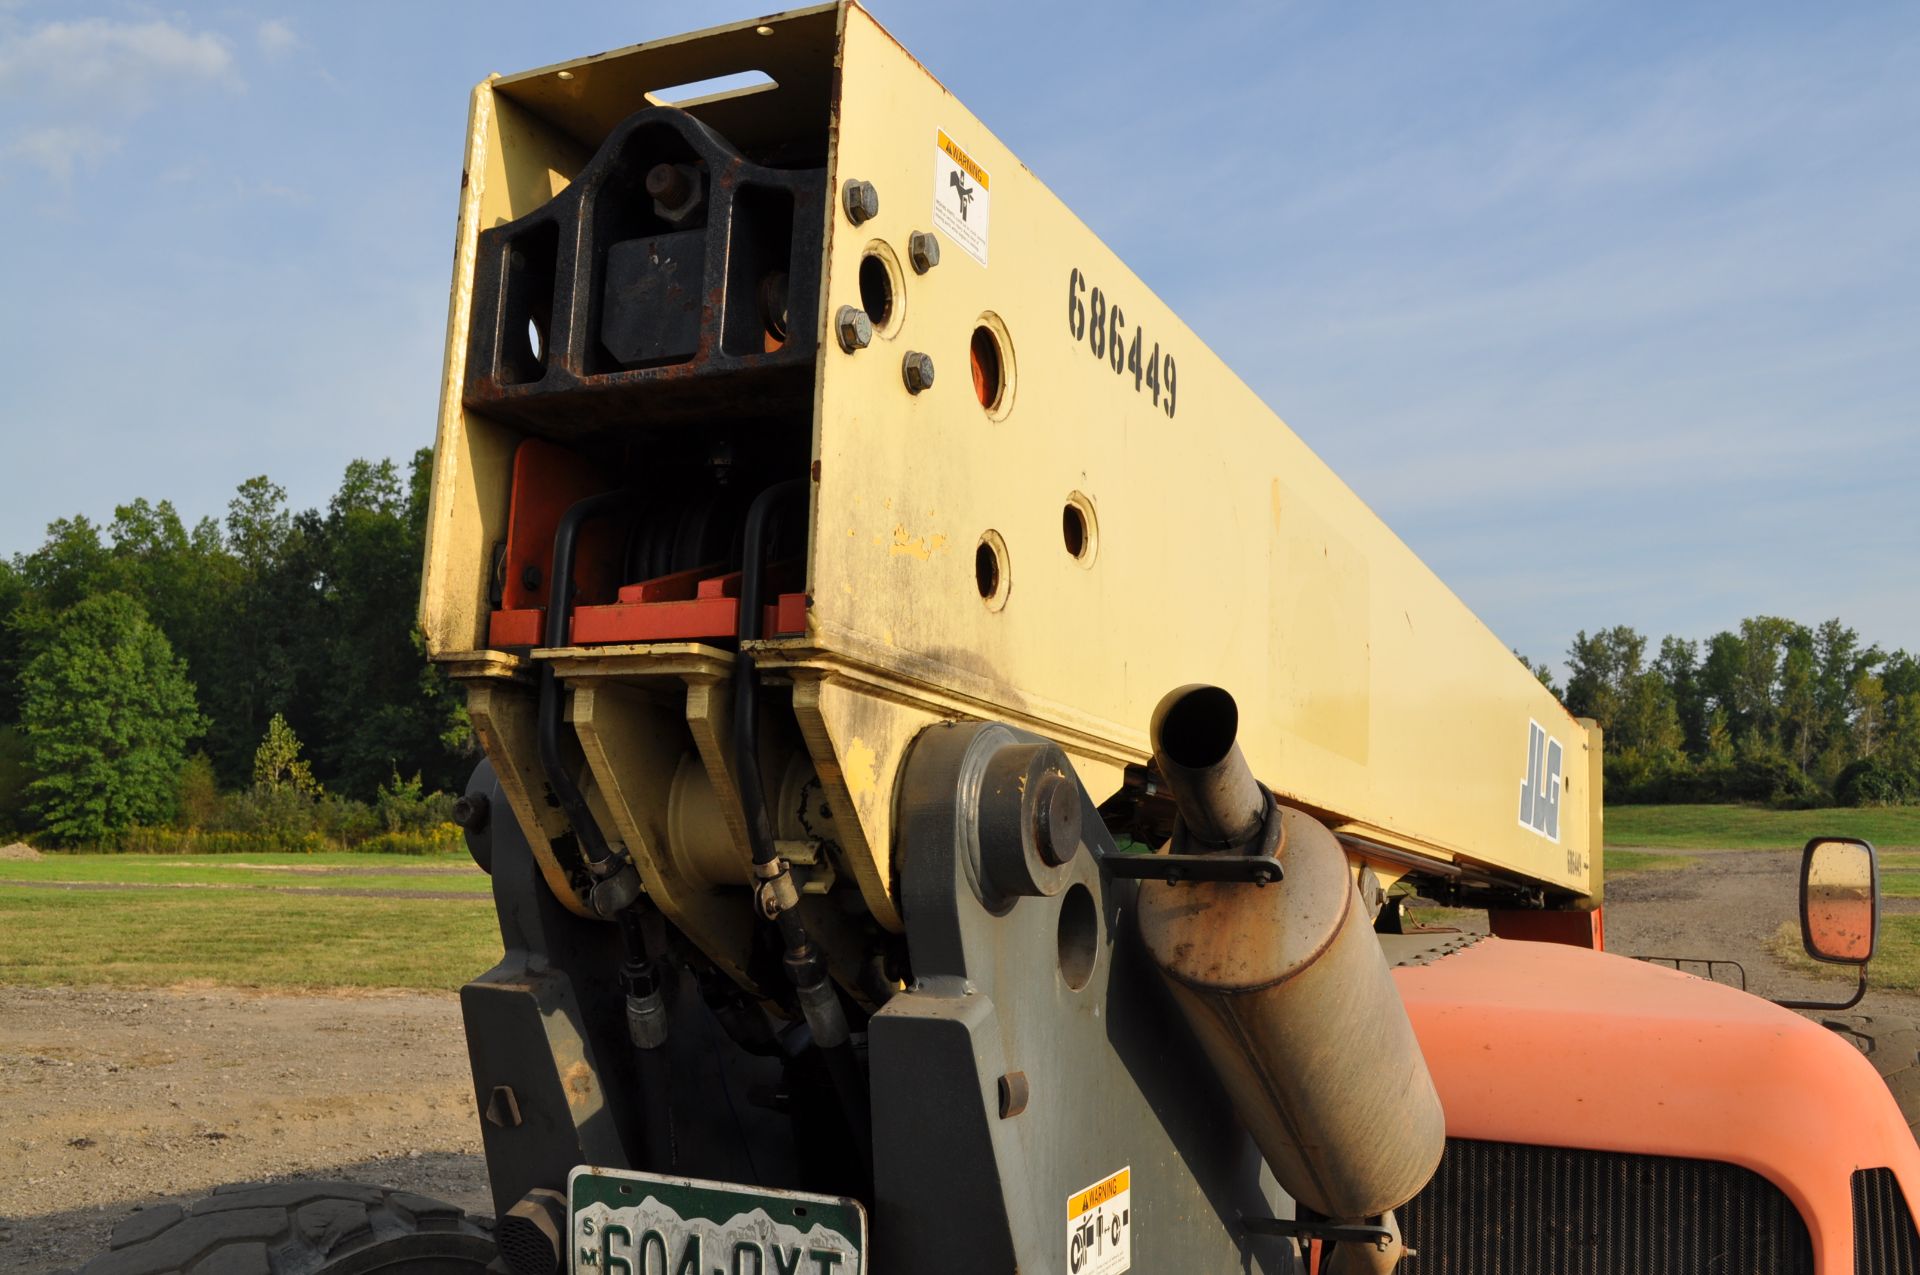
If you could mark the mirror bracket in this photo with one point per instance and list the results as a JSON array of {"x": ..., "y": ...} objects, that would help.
[{"x": 1849, "y": 1003}]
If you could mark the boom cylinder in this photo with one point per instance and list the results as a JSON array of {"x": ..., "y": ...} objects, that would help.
[{"x": 1289, "y": 994}]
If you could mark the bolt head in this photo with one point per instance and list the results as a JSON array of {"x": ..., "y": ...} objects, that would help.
[
  {"x": 923, "y": 250},
  {"x": 472, "y": 811},
  {"x": 854, "y": 327},
  {"x": 917, "y": 370},
  {"x": 1056, "y": 819},
  {"x": 861, "y": 199},
  {"x": 677, "y": 192}
]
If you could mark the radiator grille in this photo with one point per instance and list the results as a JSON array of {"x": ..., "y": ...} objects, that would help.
[
  {"x": 1883, "y": 1238},
  {"x": 1498, "y": 1208}
]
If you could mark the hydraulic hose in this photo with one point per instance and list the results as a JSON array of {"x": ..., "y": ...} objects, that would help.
[
  {"x": 649, "y": 981},
  {"x": 805, "y": 966},
  {"x": 600, "y": 859}
]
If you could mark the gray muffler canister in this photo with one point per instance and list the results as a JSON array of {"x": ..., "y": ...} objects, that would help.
[{"x": 1285, "y": 985}]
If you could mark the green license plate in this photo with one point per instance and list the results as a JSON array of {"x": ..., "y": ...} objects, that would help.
[{"x": 627, "y": 1223}]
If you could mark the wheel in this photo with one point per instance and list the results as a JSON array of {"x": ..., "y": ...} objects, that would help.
[
  {"x": 1892, "y": 1045},
  {"x": 299, "y": 1228}
]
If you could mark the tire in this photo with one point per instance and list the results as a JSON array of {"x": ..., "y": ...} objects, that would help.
[
  {"x": 299, "y": 1228},
  {"x": 1892, "y": 1045}
]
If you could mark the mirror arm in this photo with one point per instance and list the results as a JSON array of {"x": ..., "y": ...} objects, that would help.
[{"x": 1858, "y": 992}]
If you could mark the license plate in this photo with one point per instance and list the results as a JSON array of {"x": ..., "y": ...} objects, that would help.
[{"x": 627, "y": 1223}]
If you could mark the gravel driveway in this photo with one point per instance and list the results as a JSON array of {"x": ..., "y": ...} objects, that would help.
[{"x": 1727, "y": 905}]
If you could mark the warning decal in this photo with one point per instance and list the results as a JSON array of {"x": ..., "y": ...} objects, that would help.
[
  {"x": 961, "y": 197},
  {"x": 1100, "y": 1227}
]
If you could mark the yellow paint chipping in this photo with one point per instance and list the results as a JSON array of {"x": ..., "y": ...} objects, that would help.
[
  {"x": 921, "y": 547},
  {"x": 860, "y": 764}
]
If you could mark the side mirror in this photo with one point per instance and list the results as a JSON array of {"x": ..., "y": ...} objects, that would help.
[{"x": 1839, "y": 900}]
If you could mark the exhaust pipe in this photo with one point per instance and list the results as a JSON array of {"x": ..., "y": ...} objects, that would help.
[
  {"x": 1285, "y": 985},
  {"x": 1195, "y": 748}
]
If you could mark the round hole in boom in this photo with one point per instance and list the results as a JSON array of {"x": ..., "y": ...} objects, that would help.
[
  {"x": 983, "y": 354},
  {"x": 990, "y": 357},
  {"x": 536, "y": 341},
  {"x": 1078, "y": 531},
  {"x": 990, "y": 574},
  {"x": 1079, "y": 936},
  {"x": 876, "y": 290}
]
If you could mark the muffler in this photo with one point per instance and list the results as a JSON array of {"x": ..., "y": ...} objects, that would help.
[{"x": 1285, "y": 985}]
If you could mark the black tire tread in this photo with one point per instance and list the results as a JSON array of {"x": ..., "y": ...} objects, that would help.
[
  {"x": 288, "y": 1228},
  {"x": 1892, "y": 1044}
]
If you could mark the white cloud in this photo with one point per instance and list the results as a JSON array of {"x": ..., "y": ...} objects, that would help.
[
  {"x": 79, "y": 84},
  {"x": 277, "y": 37},
  {"x": 58, "y": 149},
  {"x": 99, "y": 62}
]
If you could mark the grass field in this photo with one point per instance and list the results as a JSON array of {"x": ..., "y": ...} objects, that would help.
[
  {"x": 257, "y": 926},
  {"x": 1756, "y": 828},
  {"x": 1896, "y": 962},
  {"x": 258, "y": 871}
]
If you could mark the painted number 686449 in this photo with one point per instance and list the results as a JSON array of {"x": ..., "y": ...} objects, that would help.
[{"x": 1098, "y": 320}]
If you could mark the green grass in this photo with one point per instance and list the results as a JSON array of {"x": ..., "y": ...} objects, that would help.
[
  {"x": 1900, "y": 874},
  {"x": 233, "y": 921},
  {"x": 1896, "y": 962},
  {"x": 243, "y": 938},
  {"x": 1726, "y": 827},
  {"x": 268, "y": 871}
]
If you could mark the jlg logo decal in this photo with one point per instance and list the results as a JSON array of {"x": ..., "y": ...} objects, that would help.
[{"x": 1540, "y": 790}]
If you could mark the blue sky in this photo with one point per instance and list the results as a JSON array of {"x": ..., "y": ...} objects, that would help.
[{"x": 1611, "y": 310}]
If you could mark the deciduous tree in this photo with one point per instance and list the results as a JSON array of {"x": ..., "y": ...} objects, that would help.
[{"x": 108, "y": 712}]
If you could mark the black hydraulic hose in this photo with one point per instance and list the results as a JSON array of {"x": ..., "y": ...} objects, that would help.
[
  {"x": 651, "y": 983},
  {"x": 805, "y": 966},
  {"x": 586, "y": 830},
  {"x": 746, "y": 686},
  {"x": 746, "y": 708}
]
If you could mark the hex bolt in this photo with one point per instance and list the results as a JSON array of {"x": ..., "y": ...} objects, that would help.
[
  {"x": 854, "y": 327},
  {"x": 678, "y": 193},
  {"x": 923, "y": 250},
  {"x": 669, "y": 185},
  {"x": 861, "y": 201},
  {"x": 1056, "y": 818},
  {"x": 917, "y": 370},
  {"x": 535, "y": 1231}
]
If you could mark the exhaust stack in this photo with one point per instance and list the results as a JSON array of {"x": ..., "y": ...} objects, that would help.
[{"x": 1285, "y": 985}]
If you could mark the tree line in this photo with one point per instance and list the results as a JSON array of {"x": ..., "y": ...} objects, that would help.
[
  {"x": 1772, "y": 711},
  {"x": 262, "y": 675},
  {"x": 148, "y": 667}
]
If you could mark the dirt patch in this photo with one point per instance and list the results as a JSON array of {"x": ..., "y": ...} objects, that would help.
[
  {"x": 1726, "y": 905},
  {"x": 110, "y": 1093},
  {"x": 19, "y": 852}
]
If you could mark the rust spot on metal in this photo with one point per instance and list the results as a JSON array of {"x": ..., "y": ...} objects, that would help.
[{"x": 577, "y": 1080}]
